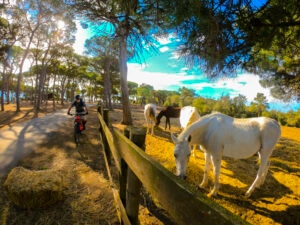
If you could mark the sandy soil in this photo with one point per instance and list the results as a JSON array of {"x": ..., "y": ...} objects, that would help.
[{"x": 276, "y": 202}]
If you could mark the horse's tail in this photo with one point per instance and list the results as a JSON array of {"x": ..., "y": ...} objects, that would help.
[{"x": 152, "y": 112}]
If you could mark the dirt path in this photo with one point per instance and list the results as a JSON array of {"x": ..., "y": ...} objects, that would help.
[
  {"x": 47, "y": 143},
  {"x": 20, "y": 139}
]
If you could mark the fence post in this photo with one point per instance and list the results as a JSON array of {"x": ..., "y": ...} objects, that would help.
[
  {"x": 123, "y": 173},
  {"x": 105, "y": 114},
  {"x": 137, "y": 136}
]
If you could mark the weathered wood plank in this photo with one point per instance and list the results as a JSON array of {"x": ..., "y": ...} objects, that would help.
[
  {"x": 110, "y": 140},
  {"x": 138, "y": 136},
  {"x": 173, "y": 194},
  {"x": 121, "y": 211}
]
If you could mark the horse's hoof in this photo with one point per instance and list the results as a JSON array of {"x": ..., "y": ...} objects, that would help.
[
  {"x": 247, "y": 195},
  {"x": 202, "y": 185},
  {"x": 211, "y": 194}
]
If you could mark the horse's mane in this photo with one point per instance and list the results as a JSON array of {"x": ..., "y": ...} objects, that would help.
[
  {"x": 196, "y": 125},
  {"x": 161, "y": 114}
]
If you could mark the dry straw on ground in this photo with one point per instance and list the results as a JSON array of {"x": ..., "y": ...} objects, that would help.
[{"x": 33, "y": 189}]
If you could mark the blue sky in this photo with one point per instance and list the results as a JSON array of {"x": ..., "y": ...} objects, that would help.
[{"x": 165, "y": 71}]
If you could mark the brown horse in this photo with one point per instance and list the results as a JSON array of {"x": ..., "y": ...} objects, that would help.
[{"x": 168, "y": 112}]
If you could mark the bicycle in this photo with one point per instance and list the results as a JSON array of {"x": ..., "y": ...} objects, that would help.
[{"x": 78, "y": 126}]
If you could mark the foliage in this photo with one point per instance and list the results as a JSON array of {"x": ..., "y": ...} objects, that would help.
[
  {"x": 226, "y": 36},
  {"x": 107, "y": 53},
  {"x": 145, "y": 93},
  {"x": 186, "y": 96}
]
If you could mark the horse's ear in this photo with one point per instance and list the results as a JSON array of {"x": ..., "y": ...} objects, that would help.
[{"x": 174, "y": 138}]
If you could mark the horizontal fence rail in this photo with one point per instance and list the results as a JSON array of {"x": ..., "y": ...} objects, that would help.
[{"x": 172, "y": 194}]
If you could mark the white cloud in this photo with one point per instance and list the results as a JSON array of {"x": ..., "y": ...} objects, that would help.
[
  {"x": 164, "y": 40},
  {"x": 245, "y": 84},
  {"x": 164, "y": 49},
  {"x": 159, "y": 81}
]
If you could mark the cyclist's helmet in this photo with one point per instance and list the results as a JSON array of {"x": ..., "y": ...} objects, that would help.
[{"x": 77, "y": 97}]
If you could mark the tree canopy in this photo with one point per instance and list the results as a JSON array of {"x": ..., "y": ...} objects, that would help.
[{"x": 223, "y": 37}]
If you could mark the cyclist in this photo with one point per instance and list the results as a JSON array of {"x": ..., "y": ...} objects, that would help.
[{"x": 80, "y": 106}]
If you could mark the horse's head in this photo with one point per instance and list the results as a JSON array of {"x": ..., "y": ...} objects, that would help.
[
  {"x": 182, "y": 154},
  {"x": 157, "y": 121},
  {"x": 159, "y": 116}
]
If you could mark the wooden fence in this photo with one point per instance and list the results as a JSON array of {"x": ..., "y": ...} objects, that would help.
[{"x": 136, "y": 168}]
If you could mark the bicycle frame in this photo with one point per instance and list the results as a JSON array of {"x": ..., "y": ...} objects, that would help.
[{"x": 78, "y": 126}]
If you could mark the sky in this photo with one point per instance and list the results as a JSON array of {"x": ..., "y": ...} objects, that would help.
[{"x": 166, "y": 71}]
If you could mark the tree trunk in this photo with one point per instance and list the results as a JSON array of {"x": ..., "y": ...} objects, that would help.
[
  {"x": 63, "y": 90},
  {"x": 127, "y": 120},
  {"x": 107, "y": 85},
  {"x": 21, "y": 68},
  {"x": 2, "y": 88},
  {"x": 53, "y": 92},
  {"x": 43, "y": 77}
]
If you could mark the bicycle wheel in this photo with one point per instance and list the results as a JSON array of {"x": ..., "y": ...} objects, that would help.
[{"x": 76, "y": 134}]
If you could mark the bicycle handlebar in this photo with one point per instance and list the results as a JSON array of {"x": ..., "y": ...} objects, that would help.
[{"x": 77, "y": 114}]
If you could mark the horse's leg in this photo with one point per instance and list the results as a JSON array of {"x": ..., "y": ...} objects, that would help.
[
  {"x": 193, "y": 150},
  {"x": 216, "y": 160},
  {"x": 207, "y": 157},
  {"x": 262, "y": 171},
  {"x": 147, "y": 125},
  {"x": 152, "y": 127},
  {"x": 166, "y": 124}
]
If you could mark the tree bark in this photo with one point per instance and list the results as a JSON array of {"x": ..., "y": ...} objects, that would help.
[
  {"x": 127, "y": 120},
  {"x": 18, "y": 109},
  {"x": 107, "y": 85},
  {"x": 2, "y": 88}
]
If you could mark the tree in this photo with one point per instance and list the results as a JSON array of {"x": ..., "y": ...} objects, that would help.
[
  {"x": 173, "y": 100},
  {"x": 224, "y": 105},
  {"x": 204, "y": 105},
  {"x": 145, "y": 93},
  {"x": 8, "y": 31},
  {"x": 226, "y": 36},
  {"x": 238, "y": 106},
  {"x": 279, "y": 69},
  {"x": 186, "y": 96},
  {"x": 260, "y": 103},
  {"x": 161, "y": 96},
  {"x": 132, "y": 89},
  {"x": 106, "y": 50},
  {"x": 131, "y": 24},
  {"x": 34, "y": 15}
]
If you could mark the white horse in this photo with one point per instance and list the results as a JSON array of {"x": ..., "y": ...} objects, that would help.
[
  {"x": 219, "y": 135},
  {"x": 189, "y": 115},
  {"x": 149, "y": 112}
]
